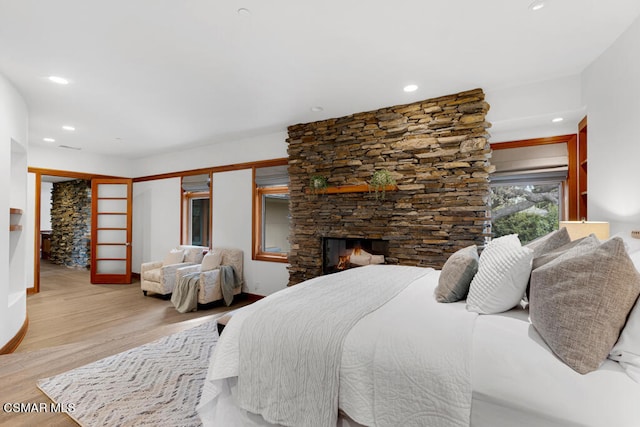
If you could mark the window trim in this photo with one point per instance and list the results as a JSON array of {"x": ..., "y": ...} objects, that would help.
[
  {"x": 189, "y": 198},
  {"x": 570, "y": 185},
  {"x": 257, "y": 254},
  {"x": 185, "y": 212}
]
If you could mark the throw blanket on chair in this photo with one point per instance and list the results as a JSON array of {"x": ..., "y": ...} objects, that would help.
[
  {"x": 290, "y": 350},
  {"x": 229, "y": 282},
  {"x": 185, "y": 293}
]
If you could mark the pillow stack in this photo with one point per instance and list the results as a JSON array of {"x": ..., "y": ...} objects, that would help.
[{"x": 583, "y": 298}]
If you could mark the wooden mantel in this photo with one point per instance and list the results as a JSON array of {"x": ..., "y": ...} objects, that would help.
[{"x": 356, "y": 188}]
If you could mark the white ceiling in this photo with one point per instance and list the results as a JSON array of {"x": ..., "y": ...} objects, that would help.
[{"x": 150, "y": 75}]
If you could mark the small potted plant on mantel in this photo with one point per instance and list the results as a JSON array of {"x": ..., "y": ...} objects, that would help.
[
  {"x": 379, "y": 182},
  {"x": 318, "y": 184}
]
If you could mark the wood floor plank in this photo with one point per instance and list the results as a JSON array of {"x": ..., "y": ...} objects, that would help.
[{"x": 72, "y": 323}]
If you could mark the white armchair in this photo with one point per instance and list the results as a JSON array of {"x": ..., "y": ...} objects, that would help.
[
  {"x": 160, "y": 276},
  {"x": 209, "y": 286}
]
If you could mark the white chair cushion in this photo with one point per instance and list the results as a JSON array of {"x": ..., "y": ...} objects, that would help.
[
  {"x": 211, "y": 261},
  {"x": 175, "y": 256},
  {"x": 153, "y": 275},
  {"x": 193, "y": 254}
]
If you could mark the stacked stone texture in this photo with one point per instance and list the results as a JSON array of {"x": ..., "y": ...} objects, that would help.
[
  {"x": 71, "y": 223},
  {"x": 438, "y": 152}
]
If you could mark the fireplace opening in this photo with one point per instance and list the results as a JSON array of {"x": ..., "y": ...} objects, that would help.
[{"x": 343, "y": 253}]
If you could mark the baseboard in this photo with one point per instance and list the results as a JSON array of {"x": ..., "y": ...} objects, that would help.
[
  {"x": 14, "y": 342},
  {"x": 253, "y": 297},
  {"x": 135, "y": 276}
]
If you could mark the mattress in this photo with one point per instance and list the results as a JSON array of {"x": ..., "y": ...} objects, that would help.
[{"x": 516, "y": 379}]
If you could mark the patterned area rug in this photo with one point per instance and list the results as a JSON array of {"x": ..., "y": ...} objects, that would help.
[{"x": 157, "y": 384}]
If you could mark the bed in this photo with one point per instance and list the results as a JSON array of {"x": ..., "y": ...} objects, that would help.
[{"x": 415, "y": 361}]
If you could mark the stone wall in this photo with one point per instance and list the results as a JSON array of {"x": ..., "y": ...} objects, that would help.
[
  {"x": 71, "y": 223},
  {"x": 437, "y": 150}
]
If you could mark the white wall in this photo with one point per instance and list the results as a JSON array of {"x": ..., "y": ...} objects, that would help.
[
  {"x": 611, "y": 89},
  {"x": 81, "y": 162},
  {"x": 526, "y": 111},
  {"x": 232, "y": 206},
  {"x": 268, "y": 146},
  {"x": 156, "y": 220},
  {"x": 13, "y": 126}
]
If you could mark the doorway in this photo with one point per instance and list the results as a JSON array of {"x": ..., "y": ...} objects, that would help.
[{"x": 43, "y": 233}]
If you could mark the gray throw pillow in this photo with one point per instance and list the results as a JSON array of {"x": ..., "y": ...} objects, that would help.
[
  {"x": 550, "y": 247},
  {"x": 585, "y": 243},
  {"x": 580, "y": 301},
  {"x": 456, "y": 275},
  {"x": 549, "y": 242}
]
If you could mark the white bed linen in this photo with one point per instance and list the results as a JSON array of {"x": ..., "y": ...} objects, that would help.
[
  {"x": 516, "y": 379},
  {"x": 399, "y": 370},
  {"x": 290, "y": 351}
]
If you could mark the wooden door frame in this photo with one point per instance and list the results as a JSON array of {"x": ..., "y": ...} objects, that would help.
[
  {"x": 36, "y": 215},
  {"x": 111, "y": 278}
]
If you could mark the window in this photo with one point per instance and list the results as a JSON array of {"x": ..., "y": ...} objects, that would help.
[
  {"x": 196, "y": 210},
  {"x": 271, "y": 214},
  {"x": 529, "y": 210},
  {"x": 532, "y": 187},
  {"x": 199, "y": 208}
]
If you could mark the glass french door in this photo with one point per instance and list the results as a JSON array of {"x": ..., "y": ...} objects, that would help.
[{"x": 111, "y": 230}]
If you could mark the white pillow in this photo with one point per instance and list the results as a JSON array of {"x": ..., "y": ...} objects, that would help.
[
  {"x": 175, "y": 256},
  {"x": 193, "y": 254},
  {"x": 630, "y": 243},
  {"x": 627, "y": 350},
  {"x": 635, "y": 258},
  {"x": 503, "y": 273},
  {"x": 211, "y": 261}
]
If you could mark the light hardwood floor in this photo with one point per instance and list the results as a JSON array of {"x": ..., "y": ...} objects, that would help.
[{"x": 72, "y": 323}]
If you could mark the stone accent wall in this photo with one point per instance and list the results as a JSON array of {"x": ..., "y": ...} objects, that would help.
[
  {"x": 437, "y": 150},
  {"x": 71, "y": 223}
]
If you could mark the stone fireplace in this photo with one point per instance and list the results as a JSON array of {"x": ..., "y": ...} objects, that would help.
[{"x": 436, "y": 150}]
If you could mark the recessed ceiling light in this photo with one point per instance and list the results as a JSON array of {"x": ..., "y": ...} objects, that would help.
[
  {"x": 48, "y": 140},
  {"x": 59, "y": 80},
  {"x": 69, "y": 128},
  {"x": 410, "y": 88},
  {"x": 557, "y": 120},
  {"x": 316, "y": 109},
  {"x": 244, "y": 11},
  {"x": 536, "y": 5}
]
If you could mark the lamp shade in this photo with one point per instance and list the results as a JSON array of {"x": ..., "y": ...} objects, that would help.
[{"x": 579, "y": 229}]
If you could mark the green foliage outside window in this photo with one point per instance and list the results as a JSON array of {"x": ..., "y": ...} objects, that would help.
[{"x": 530, "y": 211}]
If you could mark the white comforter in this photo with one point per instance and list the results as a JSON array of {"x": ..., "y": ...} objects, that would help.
[
  {"x": 414, "y": 367},
  {"x": 418, "y": 377},
  {"x": 516, "y": 379},
  {"x": 290, "y": 351}
]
